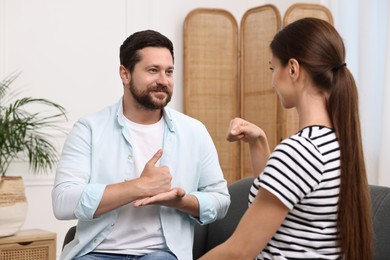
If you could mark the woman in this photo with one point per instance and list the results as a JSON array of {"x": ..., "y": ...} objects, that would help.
[{"x": 311, "y": 199}]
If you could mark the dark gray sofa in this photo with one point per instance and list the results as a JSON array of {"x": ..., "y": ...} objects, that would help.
[{"x": 208, "y": 236}]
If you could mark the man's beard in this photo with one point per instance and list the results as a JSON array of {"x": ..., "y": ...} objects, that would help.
[{"x": 145, "y": 99}]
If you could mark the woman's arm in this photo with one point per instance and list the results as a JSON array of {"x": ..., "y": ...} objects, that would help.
[
  {"x": 256, "y": 228},
  {"x": 240, "y": 129}
]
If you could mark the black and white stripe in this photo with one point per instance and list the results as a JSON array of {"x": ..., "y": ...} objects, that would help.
[{"x": 304, "y": 173}]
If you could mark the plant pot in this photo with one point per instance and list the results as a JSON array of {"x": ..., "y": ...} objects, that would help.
[{"x": 13, "y": 205}]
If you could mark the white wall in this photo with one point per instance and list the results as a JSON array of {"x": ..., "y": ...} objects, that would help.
[{"x": 67, "y": 51}]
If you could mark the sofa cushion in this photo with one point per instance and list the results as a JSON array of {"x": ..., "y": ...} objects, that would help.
[{"x": 380, "y": 199}]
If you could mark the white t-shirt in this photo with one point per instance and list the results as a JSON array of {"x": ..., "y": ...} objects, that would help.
[{"x": 138, "y": 230}]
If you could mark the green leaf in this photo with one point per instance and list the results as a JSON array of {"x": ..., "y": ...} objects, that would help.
[{"x": 25, "y": 133}]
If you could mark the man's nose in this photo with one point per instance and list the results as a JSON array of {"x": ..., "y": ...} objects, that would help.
[{"x": 163, "y": 79}]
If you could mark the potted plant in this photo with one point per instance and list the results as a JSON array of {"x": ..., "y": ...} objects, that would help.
[{"x": 23, "y": 134}]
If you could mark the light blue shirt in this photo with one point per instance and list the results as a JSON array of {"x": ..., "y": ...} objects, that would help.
[{"x": 98, "y": 152}]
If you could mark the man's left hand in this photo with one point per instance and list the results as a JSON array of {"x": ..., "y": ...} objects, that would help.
[{"x": 170, "y": 198}]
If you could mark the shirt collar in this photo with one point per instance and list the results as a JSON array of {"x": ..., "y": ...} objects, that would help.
[{"x": 166, "y": 115}]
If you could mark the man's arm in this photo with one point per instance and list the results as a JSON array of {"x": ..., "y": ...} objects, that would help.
[
  {"x": 175, "y": 198},
  {"x": 153, "y": 180}
]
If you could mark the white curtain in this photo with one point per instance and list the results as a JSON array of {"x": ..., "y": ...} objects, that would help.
[
  {"x": 384, "y": 155},
  {"x": 365, "y": 28}
]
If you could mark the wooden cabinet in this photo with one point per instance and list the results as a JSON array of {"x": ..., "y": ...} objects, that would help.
[{"x": 28, "y": 245}]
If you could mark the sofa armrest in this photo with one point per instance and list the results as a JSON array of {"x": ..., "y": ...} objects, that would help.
[{"x": 380, "y": 200}]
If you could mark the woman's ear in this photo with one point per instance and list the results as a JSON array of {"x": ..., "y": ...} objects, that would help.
[{"x": 293, "y": 68}]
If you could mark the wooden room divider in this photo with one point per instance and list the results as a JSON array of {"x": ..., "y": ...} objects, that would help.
[
  {"x": 211, "y": 81},
  {"x": 227, "y": 76},
  {"x": 259, "y": 102}
]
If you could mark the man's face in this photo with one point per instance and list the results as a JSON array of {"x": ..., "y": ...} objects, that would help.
[{"x": 151, "y": 83}]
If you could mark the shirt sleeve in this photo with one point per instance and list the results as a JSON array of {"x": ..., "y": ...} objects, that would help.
[
  {"x": 212, "y": 194},
  {"x": 72, "y": 196}
]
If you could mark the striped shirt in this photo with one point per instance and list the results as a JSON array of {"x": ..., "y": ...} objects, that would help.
[{"x": 304, "y": 173}]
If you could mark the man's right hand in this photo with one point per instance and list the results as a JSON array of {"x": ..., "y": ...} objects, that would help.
[{"x": 155, "y": 179}]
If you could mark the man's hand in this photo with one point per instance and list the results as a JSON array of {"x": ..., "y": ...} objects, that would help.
[
  {"x": 156, "y": 184},
  {"x": 169, "y": 199},
  {"x": 152, "y": 181},
  {"x": 155, "y": 180}
]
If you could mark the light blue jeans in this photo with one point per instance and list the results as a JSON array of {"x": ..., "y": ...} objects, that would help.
[{"x": 161, "y": 255}]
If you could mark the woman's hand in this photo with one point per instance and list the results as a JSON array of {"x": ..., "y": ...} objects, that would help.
[{"x": 240, "y": 129}]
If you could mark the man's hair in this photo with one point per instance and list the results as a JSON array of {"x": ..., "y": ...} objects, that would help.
[{"x": 129, "y": 50}]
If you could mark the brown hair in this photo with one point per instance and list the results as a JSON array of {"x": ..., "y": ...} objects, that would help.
[
  {"x": 129, "y": 51},
  {"x": 319, "y": 49}
]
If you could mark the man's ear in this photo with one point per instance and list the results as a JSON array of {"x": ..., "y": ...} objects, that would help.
[
  {"x": 293, "y": 68},
  {"x": 124, "y": 74}
]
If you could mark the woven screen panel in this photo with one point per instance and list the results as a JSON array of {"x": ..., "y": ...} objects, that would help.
[
  {"x": 211, "y": 79},
  {"x": 293, "y": 13},
  {"x": 32, "y": 253},
  {"x": 299, "y": 11},
  {"x": 259, "y": 102}
]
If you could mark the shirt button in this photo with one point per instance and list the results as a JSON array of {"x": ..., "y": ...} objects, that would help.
[
  {"x": 130, "y": 157},
  {"x": 112, "y": 224},
  {"x": 95, "y": 240}
]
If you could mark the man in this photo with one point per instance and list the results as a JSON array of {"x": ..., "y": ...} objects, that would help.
[{"x": 138, "y": 174}]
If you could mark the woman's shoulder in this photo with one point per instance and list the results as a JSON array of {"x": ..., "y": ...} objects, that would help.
[
  {"x": 314, "y": 143},
  {"x": 312, "y": 136}
]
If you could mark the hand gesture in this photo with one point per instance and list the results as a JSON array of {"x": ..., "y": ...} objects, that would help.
[
  {"x": 155, "y": 179},
  {"x": 169, "y": 199},
  {"x": 239, "y": 129}
]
